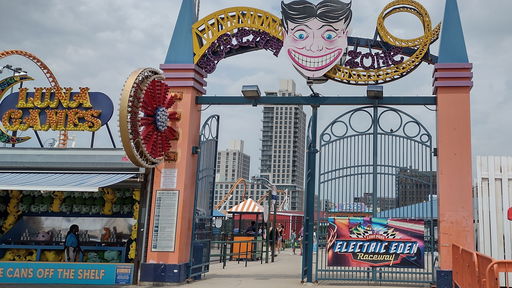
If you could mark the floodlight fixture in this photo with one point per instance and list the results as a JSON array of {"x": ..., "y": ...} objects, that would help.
[
  {"x": 375, "y": 91},
  {"x": 251, "y": 91}
]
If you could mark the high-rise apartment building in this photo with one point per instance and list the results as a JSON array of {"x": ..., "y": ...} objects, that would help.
[
  {"x": 232, "y": 163},
  {"x": 283, "y": 145}
]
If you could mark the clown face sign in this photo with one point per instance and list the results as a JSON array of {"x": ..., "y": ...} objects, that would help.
[{"x": 315, "y": 36}]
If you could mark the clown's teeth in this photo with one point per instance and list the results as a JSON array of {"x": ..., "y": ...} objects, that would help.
[{"x": 315, "y": 62}]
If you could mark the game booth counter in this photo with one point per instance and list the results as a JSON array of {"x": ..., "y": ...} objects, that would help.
[
  {"x": 44, "y": 191},
  {"x": 250, "y": 245}
]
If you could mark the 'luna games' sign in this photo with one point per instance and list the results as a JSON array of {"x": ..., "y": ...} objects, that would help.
[{"x": 57, "y": 109}]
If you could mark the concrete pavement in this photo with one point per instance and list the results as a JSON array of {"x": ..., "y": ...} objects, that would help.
[{"x": 283, "y": 273}]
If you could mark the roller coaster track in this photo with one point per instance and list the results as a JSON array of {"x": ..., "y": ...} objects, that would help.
[
  {"x": 363, "y": 77},
  {"x": 44, "y": 68},
  {"x": 228, "y": 195},
  {"x": 63, "y": 135}
]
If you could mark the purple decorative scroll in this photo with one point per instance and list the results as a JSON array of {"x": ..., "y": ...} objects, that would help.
[
  {"x": 241, "y": 39},
  {"x": 377, "y": 60}
]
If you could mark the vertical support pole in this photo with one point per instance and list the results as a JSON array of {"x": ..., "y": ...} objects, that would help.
[
  {"x": 452, "y": 85},
  {"x": 375, "y": 142},
  {"x": 375, "y": 157},
  {"x": 274, "y": 223},
  {"x": 14, "y": 134},
  {"x": 187, "y": 79},
  {"x": 267, "y": 227},
  {"x": 111, "y": 137},
  {"x": 92, "y": 139},
  {"x": 38, "y": 139},
  {"x": 309, "y": 211}
]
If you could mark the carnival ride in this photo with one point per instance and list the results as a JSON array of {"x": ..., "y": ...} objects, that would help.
[
  {"x": 221, "y": 204},
  {"x": 52, "y": 80},
  {"x": 284, "y": 203}
]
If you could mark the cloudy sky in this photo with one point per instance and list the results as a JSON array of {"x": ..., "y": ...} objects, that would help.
[{"x": 98, "y": 43}]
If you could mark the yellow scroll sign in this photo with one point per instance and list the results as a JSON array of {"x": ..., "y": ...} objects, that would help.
[{"x": 210, "y": 28}]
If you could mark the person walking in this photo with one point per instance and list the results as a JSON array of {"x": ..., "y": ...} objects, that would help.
[
  {"x": 301, "y": 239},
  {"x": 272, "y": 237},
  {"x": 293, "y": 240},
  {"x": 280, "y": 233}
]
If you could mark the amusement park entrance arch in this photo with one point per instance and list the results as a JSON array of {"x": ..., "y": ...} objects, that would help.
[{"x": 236, "y": 30}]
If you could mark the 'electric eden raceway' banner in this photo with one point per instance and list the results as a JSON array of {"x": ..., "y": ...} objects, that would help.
[{"x": 374, "y": 242}]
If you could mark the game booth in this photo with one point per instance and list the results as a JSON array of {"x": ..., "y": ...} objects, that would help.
[
  {"x": 249, "y": 210},
  {"x": 43, "y": 191},
  {"x": 246, "y": 245}
]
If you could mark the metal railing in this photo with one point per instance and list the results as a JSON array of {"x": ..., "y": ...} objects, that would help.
[
  {"x": 476, "y": 270},
  {"x": 493, "y": 273},
  {"x": 244, "y": 250}
]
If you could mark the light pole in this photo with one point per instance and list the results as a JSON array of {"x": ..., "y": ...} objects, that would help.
[{"x": 270, "y": 198}]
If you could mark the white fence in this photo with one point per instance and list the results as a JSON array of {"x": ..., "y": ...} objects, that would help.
[{"x": 494, "y": 197}]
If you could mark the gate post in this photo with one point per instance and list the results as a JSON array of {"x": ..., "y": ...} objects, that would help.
[
  {"x": 309, "y": 211},
  {"x": 183, "y": 77},
  {"x": 452, "y": 86}
]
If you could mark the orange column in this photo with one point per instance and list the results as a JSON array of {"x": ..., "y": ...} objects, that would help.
[
  {"x": 452, "y": 85},
  {"x": 189, "y": 80}
]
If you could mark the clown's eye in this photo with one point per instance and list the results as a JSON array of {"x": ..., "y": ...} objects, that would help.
[
  {"x": 329, "y": 35},
  {"x": 300, "y": 35}
]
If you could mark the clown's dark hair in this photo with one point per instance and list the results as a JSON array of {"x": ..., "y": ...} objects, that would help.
[{"x": 327, "y": 11}]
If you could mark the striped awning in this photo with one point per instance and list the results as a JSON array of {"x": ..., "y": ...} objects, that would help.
[
  {"x": 247, "y": 206},
  {"x": 48, "y": 181}
]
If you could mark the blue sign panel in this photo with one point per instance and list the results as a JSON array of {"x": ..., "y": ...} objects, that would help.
[
  {"x": 65, "y": 273},
  {"x": 99, "y": 101}
]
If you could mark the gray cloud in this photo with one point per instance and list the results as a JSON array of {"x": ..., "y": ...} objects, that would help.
[{"x": 98, "y": 43}]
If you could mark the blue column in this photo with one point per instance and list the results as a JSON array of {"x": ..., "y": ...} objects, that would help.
[{"x": 309, "y": 206}]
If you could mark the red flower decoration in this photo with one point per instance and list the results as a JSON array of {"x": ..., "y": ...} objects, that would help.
[{"x": 156, "y": 130}]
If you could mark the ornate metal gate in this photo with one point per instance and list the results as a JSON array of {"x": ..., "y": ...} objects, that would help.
[
  {"x": 203, "y": 200},
  {"x": 376, "y": 161}
]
